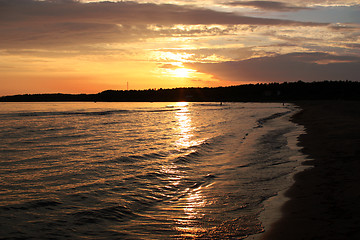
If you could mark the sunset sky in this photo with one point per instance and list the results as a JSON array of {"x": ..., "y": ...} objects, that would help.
[{"x": 73, "y": 46}]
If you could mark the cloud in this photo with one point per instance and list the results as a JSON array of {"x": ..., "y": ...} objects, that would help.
[
  {"x": 287, "y": 67},
  {"x": 69, "y": 33},
  {"x": 31, "y": 23},
  {"x": 317, "y": 3},
  {"x": 268, "y": 5},
  {"x": 353, "y": 45},
  {"x": 124, "y": 13},
  {"x": 168, "y": 66}
]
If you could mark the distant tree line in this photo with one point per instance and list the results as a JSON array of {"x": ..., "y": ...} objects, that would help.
[{"x": 292, "y": 91}]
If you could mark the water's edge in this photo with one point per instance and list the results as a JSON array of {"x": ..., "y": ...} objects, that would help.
[{"x": 272, "y": 209}]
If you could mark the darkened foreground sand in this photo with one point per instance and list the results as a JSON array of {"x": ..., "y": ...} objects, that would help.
[{"x": 325, "y": 200}]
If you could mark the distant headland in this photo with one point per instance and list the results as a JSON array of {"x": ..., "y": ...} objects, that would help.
[{"x": 280, "y": 92}]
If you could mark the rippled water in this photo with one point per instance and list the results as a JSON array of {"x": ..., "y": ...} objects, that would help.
[{"x": 141, "y": 170}]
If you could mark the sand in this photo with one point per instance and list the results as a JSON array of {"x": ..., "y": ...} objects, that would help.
[{"x": 325, "y": 199}]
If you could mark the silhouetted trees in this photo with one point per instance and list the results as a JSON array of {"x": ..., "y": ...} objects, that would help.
[{"x": 292, "y": 91}]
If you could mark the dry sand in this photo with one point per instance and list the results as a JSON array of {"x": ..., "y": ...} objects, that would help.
[{"x": 325, "y": 199}]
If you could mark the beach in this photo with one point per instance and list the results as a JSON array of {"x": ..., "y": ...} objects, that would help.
[{"x": 324, "y": 201}]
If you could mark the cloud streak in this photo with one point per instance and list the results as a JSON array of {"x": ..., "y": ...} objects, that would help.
[
  {"x": 287, "y": 67},
  {"x": 268, "y": 5},
  {"x": 124, "y": 13}
]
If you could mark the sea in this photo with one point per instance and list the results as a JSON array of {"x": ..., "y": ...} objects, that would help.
[{"x": 142, "y": 170}]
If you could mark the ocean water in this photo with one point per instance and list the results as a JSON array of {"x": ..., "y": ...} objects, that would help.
[{"x": 142, "y": 170}]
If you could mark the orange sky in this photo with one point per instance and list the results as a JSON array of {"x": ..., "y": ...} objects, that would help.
[{"x": 89, "y": 46}]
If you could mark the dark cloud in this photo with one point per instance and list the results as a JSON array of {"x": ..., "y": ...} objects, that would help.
[
  {"x": 353, "y": 45},
  {"x": 268, "y": 5},
  {"x": 76, "y": 33},
  {"x": 124, "y": 13},
  {"x": 69, "y": 34},
  {"x": 31, "y": 23},
  {"x": 288, "y": 67}
]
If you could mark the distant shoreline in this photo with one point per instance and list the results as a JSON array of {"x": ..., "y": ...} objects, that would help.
[
  {"x": 271, "y": 92},
  {"x": 324, "y": 200}
]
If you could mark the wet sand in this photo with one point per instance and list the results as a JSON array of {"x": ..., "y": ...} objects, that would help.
[{"x": 325, "y": 199}]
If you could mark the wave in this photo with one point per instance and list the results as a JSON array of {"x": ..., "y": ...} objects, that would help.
[
  {"x": 136, "y": 158},
  {"x": 264, "y": 120},
  {"x": 84, "y": 113},
  {"x": 187, "y": 158},
  {"x": 203, "y": 181},
  {"x": 114, "y": 213},
  {"x": 44, "y": 203},
  {"x": 145, "y": 197},
  {"x": 67, "y": 113},
  {"x": 196, "y": 152}
]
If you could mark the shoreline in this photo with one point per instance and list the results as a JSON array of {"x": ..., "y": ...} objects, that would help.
[
  {"x": 324, "y": 199},
  {"x": 272, "y": 207}
]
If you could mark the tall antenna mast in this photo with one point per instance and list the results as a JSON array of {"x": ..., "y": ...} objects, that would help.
[{"x": 127, "y": 86}]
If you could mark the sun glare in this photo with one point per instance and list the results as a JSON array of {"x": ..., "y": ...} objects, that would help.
[
  {"x": 182, "y": 104},
  {"x": 182, "y": 72}
]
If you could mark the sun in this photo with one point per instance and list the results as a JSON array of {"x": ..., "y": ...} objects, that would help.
[{"x": 182, "y": 72}]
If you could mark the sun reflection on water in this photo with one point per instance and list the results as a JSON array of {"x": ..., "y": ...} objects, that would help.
[
  {"x": 184, "y": 127},
  {"x": 174, "y": 174},
  {"x": 192, "y": 204},
  {"x": 189, "y": 224},
  {"x": 194, "y": 200}
]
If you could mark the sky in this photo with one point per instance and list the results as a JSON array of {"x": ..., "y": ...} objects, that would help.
[{"x": 88, "y": 46}]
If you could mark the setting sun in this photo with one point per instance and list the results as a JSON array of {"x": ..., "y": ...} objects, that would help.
[{"x": 182, "y": 72}]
